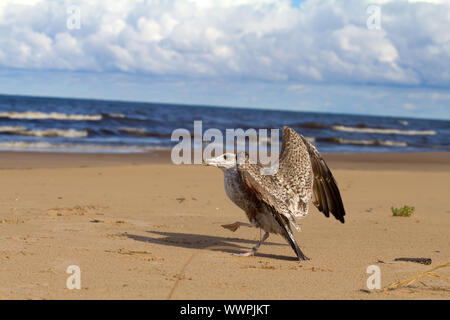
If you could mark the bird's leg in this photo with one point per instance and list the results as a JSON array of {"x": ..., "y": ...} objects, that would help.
[
  {"x": 255, "y": 248},
  {"x": 234, "y": 226}
]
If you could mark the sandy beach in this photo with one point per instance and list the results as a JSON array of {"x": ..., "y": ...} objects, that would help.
[{"x": 141, "y": 228}]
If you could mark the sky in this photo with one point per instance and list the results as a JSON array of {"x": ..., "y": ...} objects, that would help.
[{"x": 377, "y": 57}]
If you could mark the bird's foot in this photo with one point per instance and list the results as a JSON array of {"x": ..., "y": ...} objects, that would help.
[
  {"x": 234, "y": 226},
  {"x": 245, "y": 254}
]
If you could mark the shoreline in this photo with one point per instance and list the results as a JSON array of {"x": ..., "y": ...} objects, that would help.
[{"x": 424, "y": 161}]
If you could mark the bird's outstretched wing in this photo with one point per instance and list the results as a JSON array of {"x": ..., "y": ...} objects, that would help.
[
  {"x": 288, "y": 191},
  {"x": 327, "y": 197}
]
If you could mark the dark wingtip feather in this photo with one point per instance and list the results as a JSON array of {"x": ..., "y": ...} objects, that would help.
[{"x": 325, "y": 186}]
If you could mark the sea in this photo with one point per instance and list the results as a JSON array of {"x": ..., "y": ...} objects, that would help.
[{"x": 38, "y": 124}]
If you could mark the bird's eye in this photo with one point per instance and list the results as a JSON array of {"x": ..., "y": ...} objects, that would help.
[{"x": 225, "y": 157}]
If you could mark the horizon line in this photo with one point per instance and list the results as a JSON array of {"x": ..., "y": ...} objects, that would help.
[{"x": 222, "y": 106}]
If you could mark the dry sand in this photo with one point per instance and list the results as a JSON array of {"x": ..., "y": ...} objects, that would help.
[{"x": 140, "y": 228}]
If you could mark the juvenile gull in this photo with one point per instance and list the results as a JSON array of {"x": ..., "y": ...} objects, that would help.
[{"x": 272, "y": 202}]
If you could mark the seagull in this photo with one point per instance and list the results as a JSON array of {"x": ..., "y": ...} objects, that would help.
[{"x": 273, "y": 202}]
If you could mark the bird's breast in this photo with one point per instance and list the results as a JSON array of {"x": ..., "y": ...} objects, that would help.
[
  {"x": 257, "y": 212},
  {"x": 236, "y": 190}
]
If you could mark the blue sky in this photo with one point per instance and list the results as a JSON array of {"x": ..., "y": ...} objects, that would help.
[
  {"x": 296, "y": 3},
  {"x": 317, "y": 56}
]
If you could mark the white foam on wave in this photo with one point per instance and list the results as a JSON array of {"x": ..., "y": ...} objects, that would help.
[
  {"x": 263, "y": 143},
  {"x": 34, "y": 115},
  {"x": 116, "y": 115},
  {"x": 388, "y": 143},
  {"x": 11, "y": 129},
  {"x": 384, "y": 131},
  {"x": 69, "y": 133},
  {"x": 135, "y": 131}
]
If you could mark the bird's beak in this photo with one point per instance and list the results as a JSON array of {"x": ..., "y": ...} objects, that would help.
[{"x": 209, "y": 162}]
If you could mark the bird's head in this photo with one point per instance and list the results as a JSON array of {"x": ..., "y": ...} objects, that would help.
[{"x": 224, "y": 161}]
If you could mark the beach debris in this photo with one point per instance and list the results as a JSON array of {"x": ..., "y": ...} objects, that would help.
[
  {"x": 180, "y": 200},
  {"x": 405, "y": 211},
  {"x": 429, "y": 273},
  {"x": 54, "y": 213},
  {"x": 126, "y": 251},
  {"x": 11, "y": 221},
  {"x": 425, "y": 261},
  {"x": 369, "y": 210},
  {"x": 96, "y": 221}
]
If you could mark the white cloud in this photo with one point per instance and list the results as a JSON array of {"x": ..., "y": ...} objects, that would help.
[
  {"x": 430, "y": 95},
  {"x": 297, "y": 87},
  {"x": 409, "y": 106},
  {"x": 266, "y": 40}
]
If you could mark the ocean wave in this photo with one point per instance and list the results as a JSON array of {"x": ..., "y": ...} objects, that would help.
[
  {"x": 115, "y": 115},
  {"x": 447, "y": 148},
  {"x": 70, "y": 133},
  {"x": 10, "y": 129},
  {"x": 134, "y": 131},
  {"x": 47, "y": 133},
  {"x": 318, "y": 125},
  {"x": 262, "y": 142},
  {"x": 140, "y": 132},
  {"x": 36, "y": 115},
  {"x": 368, "y": 142},
  {"x": 384, "y": 131},
  {"x": 74, "y": 148},
  {"x": 313, "y": 125}
]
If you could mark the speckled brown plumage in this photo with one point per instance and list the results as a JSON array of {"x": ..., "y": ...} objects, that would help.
[
  {"x": 302, "y": 170},
  {"x": 272, "y": 202}
]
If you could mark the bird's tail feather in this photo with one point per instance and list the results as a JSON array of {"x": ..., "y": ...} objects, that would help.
[
  {"x": 290, "y": 238},
  {"x": 287, "y": 234}
]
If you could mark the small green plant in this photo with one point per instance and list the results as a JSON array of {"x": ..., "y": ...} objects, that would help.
[{"x": 405, "y": 211}]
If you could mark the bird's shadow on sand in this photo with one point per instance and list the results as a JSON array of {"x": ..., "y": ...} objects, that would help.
[{"x": 204, "y": 242}]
